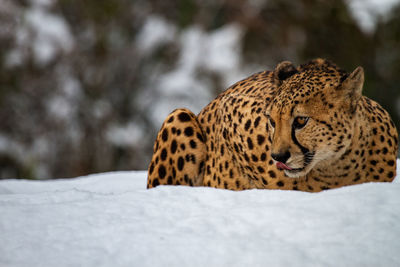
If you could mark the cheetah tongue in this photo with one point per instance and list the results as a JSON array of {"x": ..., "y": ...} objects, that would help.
[{"x": 282, "y": 166}]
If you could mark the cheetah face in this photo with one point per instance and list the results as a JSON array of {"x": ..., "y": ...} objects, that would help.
[
  {"x": 300, "y": 139},
  {"x": 310, "y": 124}
]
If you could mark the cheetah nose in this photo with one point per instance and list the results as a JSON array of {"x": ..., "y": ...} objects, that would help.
[{"x": 281, "y": 157}]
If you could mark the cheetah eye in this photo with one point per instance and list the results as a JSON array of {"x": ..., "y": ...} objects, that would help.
[
  {"x": 300, "y": 122},
  {"x": 272, "y": 122}
]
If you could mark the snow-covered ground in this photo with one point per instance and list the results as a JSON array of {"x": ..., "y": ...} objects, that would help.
[{"x": 112, "y": 220}]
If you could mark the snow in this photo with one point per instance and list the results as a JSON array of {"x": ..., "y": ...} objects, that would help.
[
  {"x": 47, "y": 34},
  {"x": 186, "y": 84},
  {"x": 111, "y": 219},
  {"x": 366, "y": 12},
  {"x": 52, "y": 34},
  {"x": 223, "y": 52},
  {"x": 156, "y": 31},
  {"x": 125, "y": 135}
]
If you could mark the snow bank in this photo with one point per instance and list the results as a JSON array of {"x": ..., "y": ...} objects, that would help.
[{"x": 112, "y": 220}]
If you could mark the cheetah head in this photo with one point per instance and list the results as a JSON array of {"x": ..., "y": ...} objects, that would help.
[{"x": 311, "y": 118}]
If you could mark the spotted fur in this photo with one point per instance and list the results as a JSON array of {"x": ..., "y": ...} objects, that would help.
[{"x": 313, "y": 120}]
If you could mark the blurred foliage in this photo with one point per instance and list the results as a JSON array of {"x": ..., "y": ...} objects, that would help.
[{"x": 103, "y": 73}]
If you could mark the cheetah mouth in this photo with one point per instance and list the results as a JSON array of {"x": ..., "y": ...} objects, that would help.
[
  {"x": 308, "y": 158},
  {"x": 296, "y": 170},
  {"x": 284, "y": 167}
]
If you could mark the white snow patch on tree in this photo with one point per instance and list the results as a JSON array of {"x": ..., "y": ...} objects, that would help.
[
  {"x": 45, "y": 33},
  {"x": 201, "y": 52},
  {"x": 367, "y": 12},
  {"x": 155, "y": 32}
]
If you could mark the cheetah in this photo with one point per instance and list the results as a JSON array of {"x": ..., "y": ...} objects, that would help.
[{"x": 306, "y": 128}]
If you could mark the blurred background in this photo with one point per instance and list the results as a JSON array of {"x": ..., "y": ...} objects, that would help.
[{"x": 86, "y": 84}]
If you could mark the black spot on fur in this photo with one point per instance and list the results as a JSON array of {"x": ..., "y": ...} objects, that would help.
[
  {"x": 161, "y": 171},
  {"x": 164, "y": 154},
  {"x": 181, "y": 163},
  {"x": 151, "y": 169},
  {"x": 164, "y": 135},
  {"x": 358, "y": 177},
  {"x": 174, "y": 146},
  {"x": 193, "y": 144},
  {"x": 200, "y": 137},
  {"x": 189, "y": 131},
  {"x": 169, "y": 181},
  {"x": 247, "y": 125},
  {"x": 257, "y": 121},
  {"x": 272, "y": 174},
  {"x": 201, "y": 167},
  {"x": 260, "y": 139},
  {"x": 183, "y": 117},
  {"x": 155, "y": 182},
  {"x": 249, "y": 143},
  {"x": 263, "y": 157}
]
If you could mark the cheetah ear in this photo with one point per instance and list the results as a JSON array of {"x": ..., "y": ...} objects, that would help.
[
  {"x": 352, "y": 86},
  {"x": 284, "y": 70}
]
